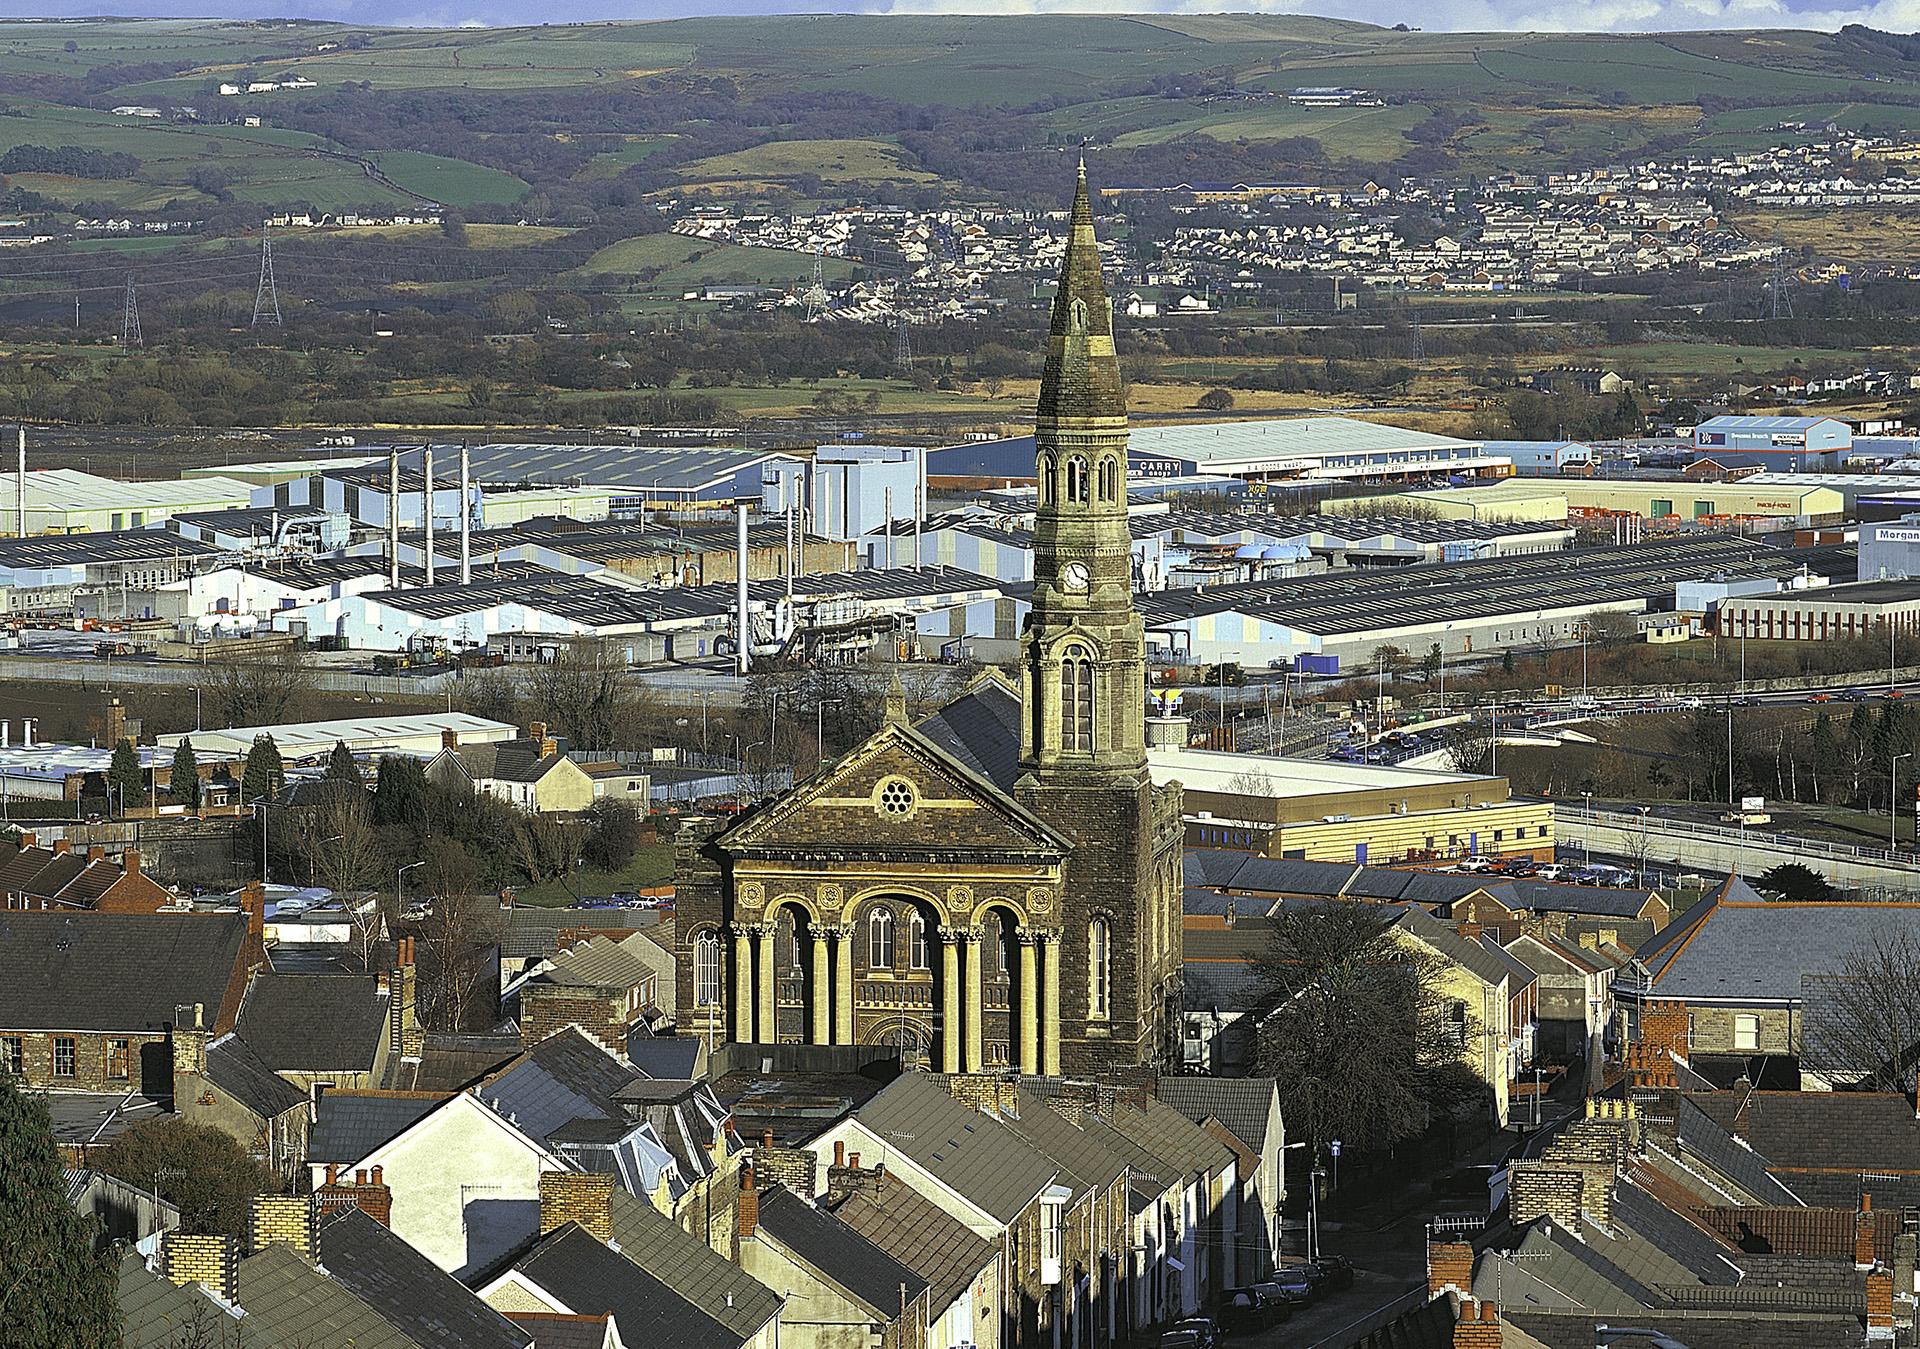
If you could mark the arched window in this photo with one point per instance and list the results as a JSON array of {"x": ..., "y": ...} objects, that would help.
[
  {"x": 1076, "y": 700},
  {"x": 1077, "y": 484},
  {"x": 1099, "y": 969},
  {"x": 706, "y": 970},
  {"x": 1109, "y": 480},
  {"x": 1046, "y": 479},
  {"x": 880, "y": 940},
  {"x": 916, "y": 941},
  {"x": 1077, "y": 316}
]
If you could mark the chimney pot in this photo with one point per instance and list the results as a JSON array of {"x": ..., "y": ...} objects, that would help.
[
  {"x": 360, "y": 1176},
  {"x": 376, "y": 1173},
  {"x": 840, "y": 1152},
  {"x": 766, "y": 1140},
  {"x": 333, "y": 1173},
  {"x": 853, "y": 1160}
]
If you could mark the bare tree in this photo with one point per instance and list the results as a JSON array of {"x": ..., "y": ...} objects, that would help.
[
  {"x": 584, "y": 693},
  {"x": 258, "y": 688},
  {"x": 1469, "y": 750},
  {"x": 1363, "y": 1038},
  {"x": 454, "y": 936},
  {"x": 1862, "y": 1024}
]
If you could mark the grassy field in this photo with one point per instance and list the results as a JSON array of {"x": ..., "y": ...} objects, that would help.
[
  {"x": 685, "y": 263},
  {"x": 652, "y": 865},
  {"x": 835, "y": 161},
  {"x": 452, "y": 181},
  {"x": 1857, "y": 235},
  {"x": 1344, "y": 133}
]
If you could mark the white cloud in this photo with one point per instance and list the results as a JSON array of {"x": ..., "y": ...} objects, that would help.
[{"x": 1491, "y": 16}]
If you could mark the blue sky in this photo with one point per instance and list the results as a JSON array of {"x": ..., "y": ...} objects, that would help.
[{"x": 1472, "y": 15}]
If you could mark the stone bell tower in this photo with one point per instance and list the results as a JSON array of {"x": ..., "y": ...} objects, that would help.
[{"x": 1083, "y": 693}]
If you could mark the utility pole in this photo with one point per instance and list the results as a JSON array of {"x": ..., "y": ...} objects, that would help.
[
  {"x": 902, "y": 344},
  {"x": 816, "y": 296},
  {"x": 130, "y": 319},
  {"x": 266, "y": 297}
]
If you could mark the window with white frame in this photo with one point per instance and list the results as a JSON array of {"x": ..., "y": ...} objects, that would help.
[{"x": 706, "y": 970}]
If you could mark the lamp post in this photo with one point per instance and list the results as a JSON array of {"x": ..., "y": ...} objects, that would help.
[
  {"x": 820, "y": 729},
  {"x": 399, "y": 880},
  {"x": 746, "y": 760},
  {"x": 1893, "y": 800},
  {"x": 1588, "y": 832},
  {"x": 196, "y": 706}
]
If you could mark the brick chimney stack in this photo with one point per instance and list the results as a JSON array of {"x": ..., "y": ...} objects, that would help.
[
  {"x": 130, "y": 863},
  {"x": 116, "y": 722},
  {"x": 405, "y": 1036},
  {"x": 1478, "y": 1326},
  {"x": 193, "y": 1257},
  {"x": 368, "y": 1191},
  {"x": 449, "y": 740},
  {"x": 1880, "y": 1307},
  {"x": 253, "y": 899},
  {"x": 61, "y": 847},
  {"x": 1449, "y": 1267},
  {"x": 748, "y": 1212},
  {"x": 1863, "y": 1234}
]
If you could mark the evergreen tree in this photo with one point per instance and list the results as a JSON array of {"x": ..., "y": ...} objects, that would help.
[
  {"x": 60, "y": 1292},
  {"x": 265, "y": 773},
  {"x": 124, "y": 778},
  {"x": 400, "y": 792},
  {"x": 341, "y": 767},
  {"x": 184, "y": 782}
]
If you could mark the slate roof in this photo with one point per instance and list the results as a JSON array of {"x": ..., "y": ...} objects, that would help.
[
  {"x": 566, "y": 1077},
  {"x": 409, "y": 1290},
  {"x": 314, "y": 1022},
  {"x": 351, "y": 1124},
  {"x": 981, "y": 729},
  {"x": 1695, "y": 1330},
  {"x": 1084, "y": 1159},
  {"x": 1823, "y": 1144},
  {"x": 1702, "y": 1135},
  {"x": 1483, "y": 964},
  {"x": 159, "y": 1314},
  {"x": 114, "y": 971},
  {"x": 962, "y": 1148},
  {"x": 719, "y": 1288},
  {"x": 1241, "y": 1104},
  {"x": 563, "y": 1330},
  {"x": 1760, "y": 951},
  {"x": 1224, "y": 985},
  {"x": 507, "y": 761},
  {"x": 294, "y": 1303},
  {"x": 839, "y": 1252},
  {"x": 449, "y": 1062},
  {"x": 234, "y": 1068},
  {"x": 674, "y": 1056},
  {"x": 916, "y": 1232},
  {"x": 534, "y": 931},
  {"x": 588, "y": 1277},
  {"x": 1649, "y": 1242},
  {"x": 599, "y": 963}
]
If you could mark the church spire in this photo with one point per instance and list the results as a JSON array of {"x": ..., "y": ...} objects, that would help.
[{"x": 1081, "y": 378}]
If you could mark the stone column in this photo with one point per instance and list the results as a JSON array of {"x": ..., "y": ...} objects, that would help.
[
  {"x": 1050, "y": 1005},
  {"x": 843, "y": 984},
  {"x": 742, "y": 984},
  {"x": 949, "y": 999},
  {"x": 769, "y": 1026},
  {"x": 822, "y": 989},
  {"x": 1029, "y": 1015},
  {"x": 976, "y": 1048}
]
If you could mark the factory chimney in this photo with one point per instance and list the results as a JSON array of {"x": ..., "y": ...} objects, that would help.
[
  {"x": 740, "y": 586},
  {"x": 426, "y": 505},
  {"x": 393, "y": 518},
  {"x": 466, "y": 514},
  {"x": 20, "y": 487}
]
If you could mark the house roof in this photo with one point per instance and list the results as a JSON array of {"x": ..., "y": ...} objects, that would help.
[
  {"x": 1734, "y": 948},
  {"x": 314, "y": 1022},
  {"x": 1243, "y": 1105},
  {"x": 508, "y": 761},
  {"x": 673, "y": 1056},
  {"x": 598, "y": 962},
  {"x": 970, "y": 1152},
  {"x": 692, "y": 1268},
  {"x": 840, "y": 1253},
  {"x": 589, "y": 1277},
  {"x": 1485, "y": 965},
  {"x": 350, "y": 1124},
  {"x": 535, "y": 931},
  {"x": 918, "y": 1233},
  {"x": 981, "y": 729},
  {"x": 237, "y": 1070},
  {"x": 1083, "y": 1158},
  {"x": 157, "y": 1313},
  {"x": 71, "y": 970},
  {"x": 1700, "y": 1134},
  {"x": 566, "y": 1077},
  {"x": 294, "y": 1303},
  {"x": 409, "y": 1290},
  {"x": 563, "y": 1330},
  {"x": 1824, "y": 1145}
]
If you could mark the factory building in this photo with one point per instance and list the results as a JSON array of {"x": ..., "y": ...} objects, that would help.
[
  {"x": 835, "y": 617},
  {"x": 636, "y": 477},
  {"x": 67, "y": 501},
  {"x": 259, "y": 530},
  {"x": 74, "y": 573},
  {"x": 423, "y": 733},
  {"x": 1279, "y": 449},
  {"x": 1826, "y": 613},
  {"x": 1479, "y": 606},
  {"x": 268, "y": 472},
  {"x": 1319, "y": 811},
  {"x": 1651, "y": 499},
  {"x": 849, "y": 491},
  {"x": 1890, "y": 550},
  {"x": 1534, "y": 457},
  {"x": 1789, "y": 444},
  {"x": 361, "y": 494}
]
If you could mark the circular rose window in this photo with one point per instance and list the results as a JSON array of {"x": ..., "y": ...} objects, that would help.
[{"x": 896, "y": 797}]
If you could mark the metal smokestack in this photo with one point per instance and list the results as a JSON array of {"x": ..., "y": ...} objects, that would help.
[
  {"x": 426, "y": 506},
  {"x": 393, "y": 518},
  {"x": 740, "y": 585},
  {"x": 20, "y": 488},
  {"x": 466, "y": 514}
]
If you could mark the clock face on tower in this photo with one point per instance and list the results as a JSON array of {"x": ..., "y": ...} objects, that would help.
[{"x": 1073, "y": 578}]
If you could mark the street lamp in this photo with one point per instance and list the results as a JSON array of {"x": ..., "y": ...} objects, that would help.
[
  {"x": 1893, "y": 800},
  {"x": 399, "y": 879},
  {"x": 1314, "y": 1173},
  {"x": 820, "y": 729},
  {"x": 1588, "y": 833}
]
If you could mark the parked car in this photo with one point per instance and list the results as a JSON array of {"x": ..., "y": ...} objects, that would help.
[
  {"x": 1245, "y": 1310},
  {"x": 1339, "y": 1270},
  {"x": 1293, "y": 1283},
  {"x": 1474, "y": 865},
  {"x": 1181, "y": 1339},
  {"x": 1203, "y": 1326}
]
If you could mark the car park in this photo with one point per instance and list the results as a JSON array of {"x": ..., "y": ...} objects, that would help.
[{"x": 1475, "y": 865}]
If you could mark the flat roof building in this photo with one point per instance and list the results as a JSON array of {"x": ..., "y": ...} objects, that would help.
[
  {"x": 1788, "y": 443},
  {"x": 408, "y": 733},
  {"x": 68, "y": 501},
  {"x": 1652, "y": 499}
]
